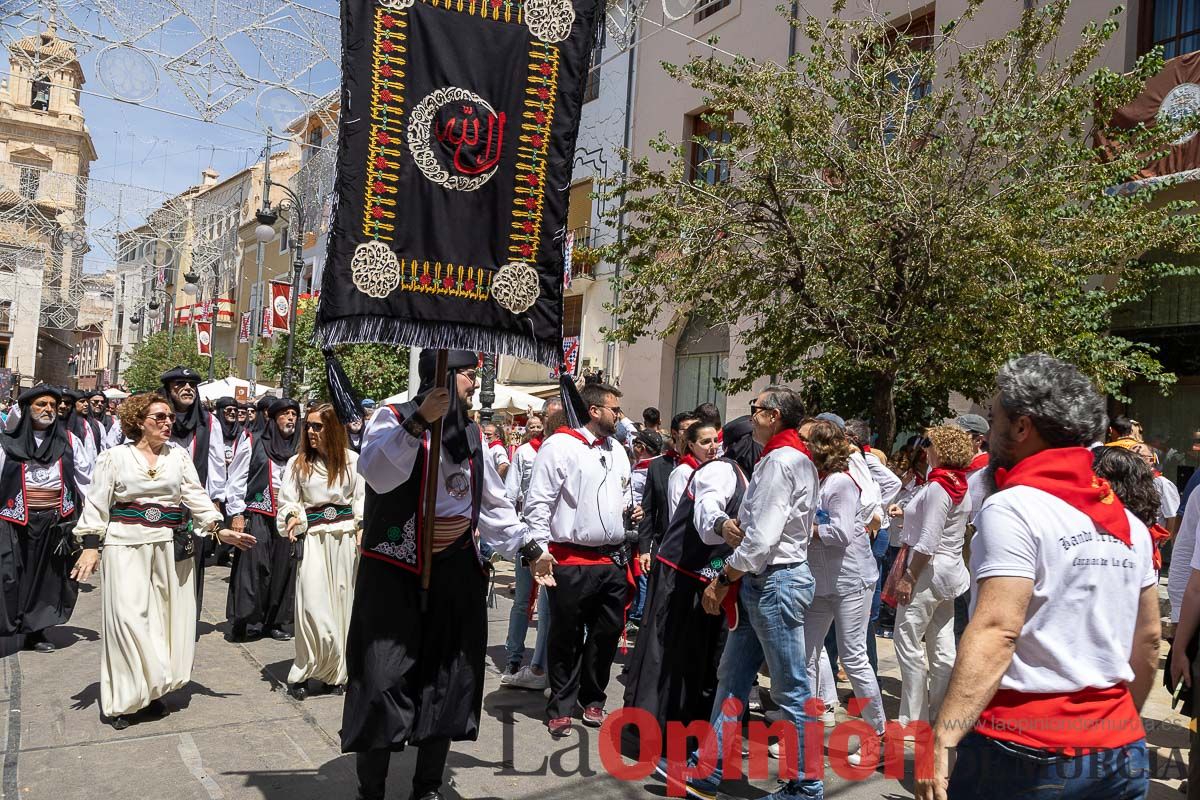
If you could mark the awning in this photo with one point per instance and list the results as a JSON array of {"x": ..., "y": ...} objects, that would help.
[{"x": 227, "y": 387}]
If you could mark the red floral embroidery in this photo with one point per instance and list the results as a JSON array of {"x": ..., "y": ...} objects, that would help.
[
  {"x": 527, "y": 227},
  {"x": 447, "y": 282},
  {"x": 496, "y": 3},
  {"x": 540, "y": 116},
  {"x": 545, "y": 69},
  {"x": 384, "y": 138},
  {"x": 378, "y": 187},
  {"x": 530, "y": 203},
  {"x": 385, "y": 96},
  {"x": 377, "y": 212},
  {"x": 543, "y": 93},
  {"x": 386, "y": 71},
  {"x": 425, "y": 279},
  {"x": 531, "y": 179},
  {"x": 536, "y": 140},
  {"x": 387, "y": 46},
  {"x": 381, "y": 162},
  {"x": 469, "y": 284},
  {"x": 526, "y": 250},
  {"x": 387, "y": 21}
]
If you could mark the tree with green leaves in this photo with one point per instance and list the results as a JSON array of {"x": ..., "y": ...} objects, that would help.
[
  {"x": 162, "y": 351},
  {"x": 375, "y": 370},
  {"x": 894, "y": 215}
]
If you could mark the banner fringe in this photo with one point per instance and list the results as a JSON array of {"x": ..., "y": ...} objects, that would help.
[{"x": 436, "y": 335}]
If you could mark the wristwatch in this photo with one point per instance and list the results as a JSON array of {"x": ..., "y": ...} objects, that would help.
[
  {"x": 531, "y": 552},
  {"x": 723, "y": 578},
  {"x": 416, "y": 425}
]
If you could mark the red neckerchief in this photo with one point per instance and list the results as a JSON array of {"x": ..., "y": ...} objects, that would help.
[
  {"x": 1158, "y": 473},
  {"x": 919, "y": 479},
  {"x": 866, "y": 448},
  {"x": 1158, "y": 536},
  {"x": 1066, "y": 473},
  {"x": 671, "y": 455},
  {"x": 979, "y": 462},
  {"x": 954, "y": 481},
  {"x": 788, "y": 437},
  {"x": 721, "y": 435},
  {"x": 690, "y": 460},
  {"x": 536, "y": 444},
  {"x": 600, "y": 441},
  {"x": 643, "y": 464},
  {"x": 496, "y": 443}
]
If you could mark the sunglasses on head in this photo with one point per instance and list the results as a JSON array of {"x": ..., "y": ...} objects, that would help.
[
  {"x": 161, "y": 417},
  {"x": 315, "y": 427},
  {"x": 924, "y": 442}
]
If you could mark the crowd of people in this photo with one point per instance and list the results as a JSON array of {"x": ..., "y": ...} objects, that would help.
[{"x": 1013, "y": 559}]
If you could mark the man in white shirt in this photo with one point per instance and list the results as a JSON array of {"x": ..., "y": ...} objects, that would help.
[
  {"x": 770, "y": 558},
  {"x": 497, "y": 452},
  {"x": 1063, "y": 643},
  {"x": 578, "y": 493}
]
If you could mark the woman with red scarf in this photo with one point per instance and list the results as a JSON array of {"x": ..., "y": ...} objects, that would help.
[
  {"x": 935, "y": 527},
  {"x": 701, "y": 445}
]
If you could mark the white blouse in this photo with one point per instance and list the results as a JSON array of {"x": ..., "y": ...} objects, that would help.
[
  {"x": 676, "y": 486},
  {"x": 296, "y": 496},
  {"x": 123, "y": 476}
]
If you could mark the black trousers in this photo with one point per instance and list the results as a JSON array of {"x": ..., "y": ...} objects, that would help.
[
  {"x": 587, "y": 608},
  {"x": 431, "y": 766}
]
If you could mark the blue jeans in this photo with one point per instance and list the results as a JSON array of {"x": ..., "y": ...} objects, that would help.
[
  {"x": 773, "y": 606},
  {"x": 639, "y": 602},
  {"x": 879, "y": 549},
  {"x": 988, "y": 769},
  {"x": 518, "y": 622}
]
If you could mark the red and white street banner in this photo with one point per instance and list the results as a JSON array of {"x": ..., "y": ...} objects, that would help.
[
  {"x": 266, "y": 324},
  {"x": 244, "y": 329},
  {"x": 281, "y": 306},
  {"x": 204, "y": 338}
]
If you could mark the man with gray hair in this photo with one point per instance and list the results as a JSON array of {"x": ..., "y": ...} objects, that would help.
[{"x": 1062, "y": 646}]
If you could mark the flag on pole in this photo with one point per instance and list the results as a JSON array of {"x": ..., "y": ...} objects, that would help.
[
  {"x": 244, "y": 329},
  {"x": 281, "y": 307},
  {"x": 449, "y": 193},
  {"x": 204, "y": 338},
  {"x": 266, "y": 324},
  {"x": 568, "y": 252}
]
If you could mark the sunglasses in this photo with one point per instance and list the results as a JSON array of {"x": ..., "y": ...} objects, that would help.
[
  {"x": 315, "y": 427},
  {"x": 924, "y": 442},
  {"x": 754, "y": 409},
  {"x": 161, "y": 417}
]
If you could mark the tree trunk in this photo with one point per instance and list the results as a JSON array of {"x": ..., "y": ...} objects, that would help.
[{"x": 883, "y": 409}]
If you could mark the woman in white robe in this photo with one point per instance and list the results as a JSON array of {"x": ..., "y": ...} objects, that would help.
[
  {"x": 327, "y": 512},
  {"x": 136, "y": 499}
]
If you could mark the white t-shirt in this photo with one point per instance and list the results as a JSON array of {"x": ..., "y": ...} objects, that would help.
[
  {"x": 1079, "y": 626},
  {"x": 499, "y": 455},
  {"x": 1168, "y": 493},
  {"x": 1181, "y": 558}
]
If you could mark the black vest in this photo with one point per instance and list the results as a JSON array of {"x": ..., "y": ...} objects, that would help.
[
  {"x": 393, "y": 526},
  {"x": 199, "y": 449},
  {"x": 13, "y": 506},
  {"x": 682, "y": 548}
]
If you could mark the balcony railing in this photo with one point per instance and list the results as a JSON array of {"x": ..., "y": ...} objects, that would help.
[{"x": 584, "y": 258}]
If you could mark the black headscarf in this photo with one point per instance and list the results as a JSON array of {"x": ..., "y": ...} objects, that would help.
[
  {"x": 20, "y": 444},
  {"x": 228, "y": 429},
  {"x": 262, "y": 412},
  {"x": 104, "y": 418},
  {"x": 738, "y": 439},
  {"x": 186, "y": 422},
  {"x": 278, "y": 447},
  {"x": 81, "y": 424},
  {"x": 454, "y": 425}
]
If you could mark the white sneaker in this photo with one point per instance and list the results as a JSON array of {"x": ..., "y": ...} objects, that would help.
[
  {"x": 854, "y": 754},
  {"x": 524, "y": 678},
  {"x": 829, "y": 717}
]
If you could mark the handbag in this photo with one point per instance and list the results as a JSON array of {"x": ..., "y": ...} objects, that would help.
[
  {"x": 298, "y": 548},
  {"x": 888, "y": 595},
  {"x": 185, "y": 545}
]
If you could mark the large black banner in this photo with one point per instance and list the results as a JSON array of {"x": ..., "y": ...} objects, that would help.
[{"x": 458, "y": 127}]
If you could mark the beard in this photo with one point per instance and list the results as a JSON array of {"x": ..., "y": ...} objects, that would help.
[
  {"x": 606, "y": 428},
  {"x": 1000, "y": 456}
]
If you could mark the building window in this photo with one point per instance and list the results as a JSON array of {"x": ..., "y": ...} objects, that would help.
[
  {"x": 701, "y": 364},
  {"x": 31, "y": 181},
  {"x": 707, "y": 8},
  {"x": 283, "y": 240},
  {"x": 39, "y": 94},
  {"x": 1172, "y": 24},
  {"x": 316, "y": 136},
  {"x": 919, "y": 33},
  {"x": 705, "y": 166},
  {"x": 6, "y": 320},
  {"x": 591, "y": 89},
  {"x": 572, "y": 315}
]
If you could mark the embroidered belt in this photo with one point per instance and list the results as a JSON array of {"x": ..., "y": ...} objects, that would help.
[
  {"x": 151, "y": 515},
  {"x": 447, "y": 531},
  {"x": 328, "y": 514},
  {"x": 43, "y": 498}
]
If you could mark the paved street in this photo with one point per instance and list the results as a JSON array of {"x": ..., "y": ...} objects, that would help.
[{"x": 233, "y": 733}]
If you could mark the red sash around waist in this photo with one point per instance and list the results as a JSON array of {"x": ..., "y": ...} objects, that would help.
[{"x": 1067, "y": 722}]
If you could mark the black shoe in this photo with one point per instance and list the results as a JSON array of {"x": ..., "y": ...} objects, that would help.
[
  {"x": 157, "y": 708},
  {"x": 427, "y": 796},
  {"x": 280, "y": 635},
  {"x": 44, "y": 647},
  {"x": 334, "y": 688},
  {"x": 119, "y": 723},
  {"x": 298, "y": 690}
]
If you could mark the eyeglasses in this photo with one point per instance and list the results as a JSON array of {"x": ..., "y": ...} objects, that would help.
[
  {"x": 754, "y": 409},
  {"x": 161, "y": 417},
  {"x": 470, "y": 373},
  {"x": 924, "y": 442},
  {"x": 229, "y": 411},
  {"x": 614, "y": 409},
  {"x": 315, "y": 427}
]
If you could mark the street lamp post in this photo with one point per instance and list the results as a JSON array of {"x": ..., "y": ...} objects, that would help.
[{"x": 264, "y": 233}]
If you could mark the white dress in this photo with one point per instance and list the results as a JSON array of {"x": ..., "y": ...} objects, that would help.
[
  {"x": 148, "y": 600},
  {"x": 329, "y": 517}
]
